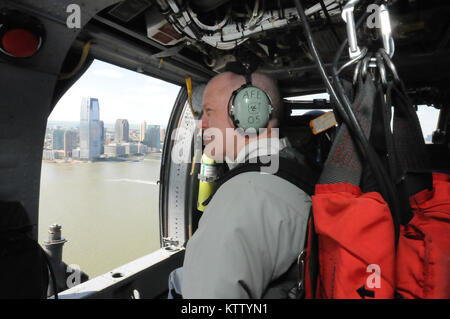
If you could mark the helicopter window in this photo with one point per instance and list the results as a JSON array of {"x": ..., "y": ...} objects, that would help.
[
  {"x": 101, "y": 166},
  {"x": 428, "y": 118},
  {"x": 427, "y": 114},
  {"x": 311, "y": 97}
]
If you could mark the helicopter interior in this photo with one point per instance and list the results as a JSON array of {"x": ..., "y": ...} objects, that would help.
[{"x": 177, "y": 39}]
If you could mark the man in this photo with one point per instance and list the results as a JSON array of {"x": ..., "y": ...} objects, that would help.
[{"x": 254, "y": 227}]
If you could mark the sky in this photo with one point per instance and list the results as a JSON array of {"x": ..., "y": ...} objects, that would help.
[{"x": 124, "y": 94}]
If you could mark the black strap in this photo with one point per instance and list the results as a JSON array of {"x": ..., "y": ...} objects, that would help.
[
  {"x": 413, "y": 169},
  {"x": 384, "y": 144},
  {"x": 294, "y": 172},
  {"x": 299, "y": 174},
  {"x": 240, "y": 68},
  {"x": 313, "y": 254},
  {"x": 402, "y": 151},
  {"x": 248, "y": 79},
  {"x": 409, "y": 143}
]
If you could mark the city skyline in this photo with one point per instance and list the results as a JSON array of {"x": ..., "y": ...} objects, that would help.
[
  {"x": 124, "y": 94},
  {"x": 96, "y": 142},
  {"x": 107, "y": 125}
]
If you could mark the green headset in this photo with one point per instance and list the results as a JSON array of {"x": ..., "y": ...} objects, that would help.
[{"x": 249, "y": 106}]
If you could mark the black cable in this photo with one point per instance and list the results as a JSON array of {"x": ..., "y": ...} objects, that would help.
[
  {"x": 349, "y": 118},
  {"x": 320, "y": 66},
  {"x": 327, "y": 15}
]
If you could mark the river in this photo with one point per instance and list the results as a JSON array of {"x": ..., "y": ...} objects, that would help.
[{"x": 108, "y": 211}]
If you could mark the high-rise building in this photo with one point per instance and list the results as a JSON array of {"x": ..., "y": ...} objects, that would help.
[
  {"x": 142, "y": 131},
  {"x": 152, "y": 137},
  {"x": 58, "y": 139},
  {"x": 90, "y": 144},
  {"x": 122, "y": 131},
  {"x": 162, "y": 135},
  {"x": 70, "y": 142},
  {"x": 102, "y": 137}
]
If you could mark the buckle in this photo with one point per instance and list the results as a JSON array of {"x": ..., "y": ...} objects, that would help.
[{"x": 298, "y": 292}]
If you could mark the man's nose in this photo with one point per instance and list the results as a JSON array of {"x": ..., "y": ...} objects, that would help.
[{"x": 203, "y": 123}]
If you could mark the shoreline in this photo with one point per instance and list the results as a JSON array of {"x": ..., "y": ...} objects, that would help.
[{"x": 129, "y": 159}]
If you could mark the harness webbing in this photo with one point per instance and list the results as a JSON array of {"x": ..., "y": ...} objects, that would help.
[{"x": 299, "y": 174}]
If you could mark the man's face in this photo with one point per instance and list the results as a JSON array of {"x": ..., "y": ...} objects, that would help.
[{"x": 215, "y": 120}]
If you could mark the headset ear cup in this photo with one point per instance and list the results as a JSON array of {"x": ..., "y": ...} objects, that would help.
[{"x": 251, "y": 108}]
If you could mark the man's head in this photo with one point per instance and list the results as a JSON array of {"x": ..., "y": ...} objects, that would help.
[{"x": 215, "y": 120}]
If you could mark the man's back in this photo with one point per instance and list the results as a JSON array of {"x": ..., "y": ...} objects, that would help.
[{"x": 251, "y": 233}]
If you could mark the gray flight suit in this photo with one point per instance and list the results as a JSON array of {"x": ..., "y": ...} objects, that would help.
[{"x": 250, "y": 234}]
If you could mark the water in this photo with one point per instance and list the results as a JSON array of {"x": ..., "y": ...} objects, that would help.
[{"x": 108, "y": 211}]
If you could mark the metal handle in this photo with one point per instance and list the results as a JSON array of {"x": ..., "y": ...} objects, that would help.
[
  {"x": 386, "y": 31},
  {"x": 348, "y": 17}
]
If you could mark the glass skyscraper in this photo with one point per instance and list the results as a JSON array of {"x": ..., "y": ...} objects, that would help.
[
  {"x": 90, "y": 129},
  {"x": 70, "y": 142},
  {"x": 122, "y": 131},
  {"x": 152, "y": 137},
  {"x": 58, "y": 139}
]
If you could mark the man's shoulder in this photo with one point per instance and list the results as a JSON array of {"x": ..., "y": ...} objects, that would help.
[
  {"x": 262, "y": 184},
  {"x": 255, "y": 203}
]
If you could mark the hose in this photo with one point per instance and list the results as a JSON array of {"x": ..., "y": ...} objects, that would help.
[
  {"x": 84, "y": 55},
  {"x": 189, "y": 90}
]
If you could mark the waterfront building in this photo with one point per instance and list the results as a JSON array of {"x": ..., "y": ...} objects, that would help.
[
  {"x": 76, "y": 153},
  {"x": 152, "y": 137},
  {"x": 58, "y": 154},
  {"x": 70, "y": 142},
  {"x": 162, "y": 135},
  {"x": 130, "y": 148},
  {"x": 102, "y": 137},
  {"x": 142, "y": 131},
  {"x": 142, "y": 148},
  {"x": 114, "y": 150},
  {"x": 48, "y": 155},
  {"x": 122, "y": 129},
  {"x": 90, "y": 144},
  {"x": 58, "y": 139},
  {"x": 51, "y": 155}
]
